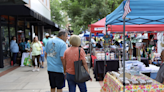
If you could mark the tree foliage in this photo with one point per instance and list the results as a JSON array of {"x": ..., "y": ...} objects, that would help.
[
  {"x": 85, "y": 12},
  {"x": 57, "y": 14}
]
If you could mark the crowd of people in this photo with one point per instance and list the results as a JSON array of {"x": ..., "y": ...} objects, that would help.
[
  {"x": 15, "y": 48},
  {"x": 60, "y": 58},
  {"x": 36, "y": 48},
  {"x": 60, "y": 62},
  {"x": 60, "y": 54}
]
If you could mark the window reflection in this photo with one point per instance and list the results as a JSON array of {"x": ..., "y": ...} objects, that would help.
[
  {"x": 5, "y": 42},
  {"x": 8, "y": 23},
  {"x": 28, "y": 34}
]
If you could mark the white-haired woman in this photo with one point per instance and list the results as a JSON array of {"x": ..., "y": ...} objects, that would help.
[{"x": 70, "y": 56}]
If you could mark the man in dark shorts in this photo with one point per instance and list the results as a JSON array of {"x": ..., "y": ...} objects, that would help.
[{"x": 55, "y": 49}]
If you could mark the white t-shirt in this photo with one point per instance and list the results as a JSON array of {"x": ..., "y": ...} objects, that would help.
[
  {"x": 93, "y": 42},
  {"x": 101, "y": 42}
]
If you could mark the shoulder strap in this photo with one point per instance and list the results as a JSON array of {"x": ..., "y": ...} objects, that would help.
[{"x": 79, "y": 54}]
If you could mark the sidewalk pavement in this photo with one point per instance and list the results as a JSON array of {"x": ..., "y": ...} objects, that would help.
[{"x": 23, "y": 79}]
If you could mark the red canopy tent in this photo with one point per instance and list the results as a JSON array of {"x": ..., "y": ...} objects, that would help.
[{"x": 99, "y": 26}]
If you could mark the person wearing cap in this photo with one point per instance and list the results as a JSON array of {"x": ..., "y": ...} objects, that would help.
[
  {"x": 52, "y": 36},
  {"x": 45, "y": 40}
]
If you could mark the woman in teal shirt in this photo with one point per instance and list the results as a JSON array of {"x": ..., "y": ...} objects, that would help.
[{"x": 22, "y": 45}]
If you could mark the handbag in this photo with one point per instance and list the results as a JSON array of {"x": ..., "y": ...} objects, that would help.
[{"x": 81, "y": 75}]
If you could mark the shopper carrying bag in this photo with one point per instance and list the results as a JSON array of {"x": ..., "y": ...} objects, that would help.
[
  {"x": 75, "y": 65},
  {"x": 37, "y": 50}
]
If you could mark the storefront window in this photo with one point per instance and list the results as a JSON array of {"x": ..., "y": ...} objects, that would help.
[
  {"x": 12, "y": 26},
  {"x": 5, "y": 36},
  {"x": 5, "y": 42},
  {"x": 20, "y": 34},
  {"x": 28, "y": 34},
  {"x": 7, "y": 23},
  {"x": 12, "y": 32}
]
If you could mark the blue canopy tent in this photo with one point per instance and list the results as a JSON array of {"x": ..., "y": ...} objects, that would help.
[{"x": 142, "y": 12}]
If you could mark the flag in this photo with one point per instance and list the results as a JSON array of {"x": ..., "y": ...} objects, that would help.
[{"x": 126, "y": 9}]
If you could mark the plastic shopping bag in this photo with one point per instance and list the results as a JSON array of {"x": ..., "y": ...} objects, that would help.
[{"x": 28, "y": 61}]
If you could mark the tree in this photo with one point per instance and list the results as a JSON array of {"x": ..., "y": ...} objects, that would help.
[
  {"x": 85, "y": 12},
  {"x": 57, "y": 14}
]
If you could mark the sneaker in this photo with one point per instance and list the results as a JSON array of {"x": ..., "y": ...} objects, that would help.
[
  {"x": 15, "y": 65},
  {"x": 41, "y": 66},
  {"x": 34, "y": 70},
  {"x": 38, "y": 70}
]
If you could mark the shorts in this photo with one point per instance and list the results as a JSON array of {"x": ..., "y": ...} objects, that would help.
[
  {"x": 41, "y": 58},
  {"x": 56, "y": 80}
]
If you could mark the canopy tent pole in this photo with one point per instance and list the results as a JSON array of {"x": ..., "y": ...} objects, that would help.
[
  {"x": 105, "y": 65},
  {"x": 124, "y": 49},
  {"x": 124, "y": 54},
  {"x": 90, "y": 45}
]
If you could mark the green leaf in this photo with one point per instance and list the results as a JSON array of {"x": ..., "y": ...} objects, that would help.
[{"x": 84, "y": 12}]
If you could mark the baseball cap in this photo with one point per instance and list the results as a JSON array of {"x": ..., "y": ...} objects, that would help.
[
  {"x": 52, "y": 36},
  {"x": 47, "y": 34}
]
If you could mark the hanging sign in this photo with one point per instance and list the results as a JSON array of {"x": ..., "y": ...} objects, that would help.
[{"x": 107, "y": 40}]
